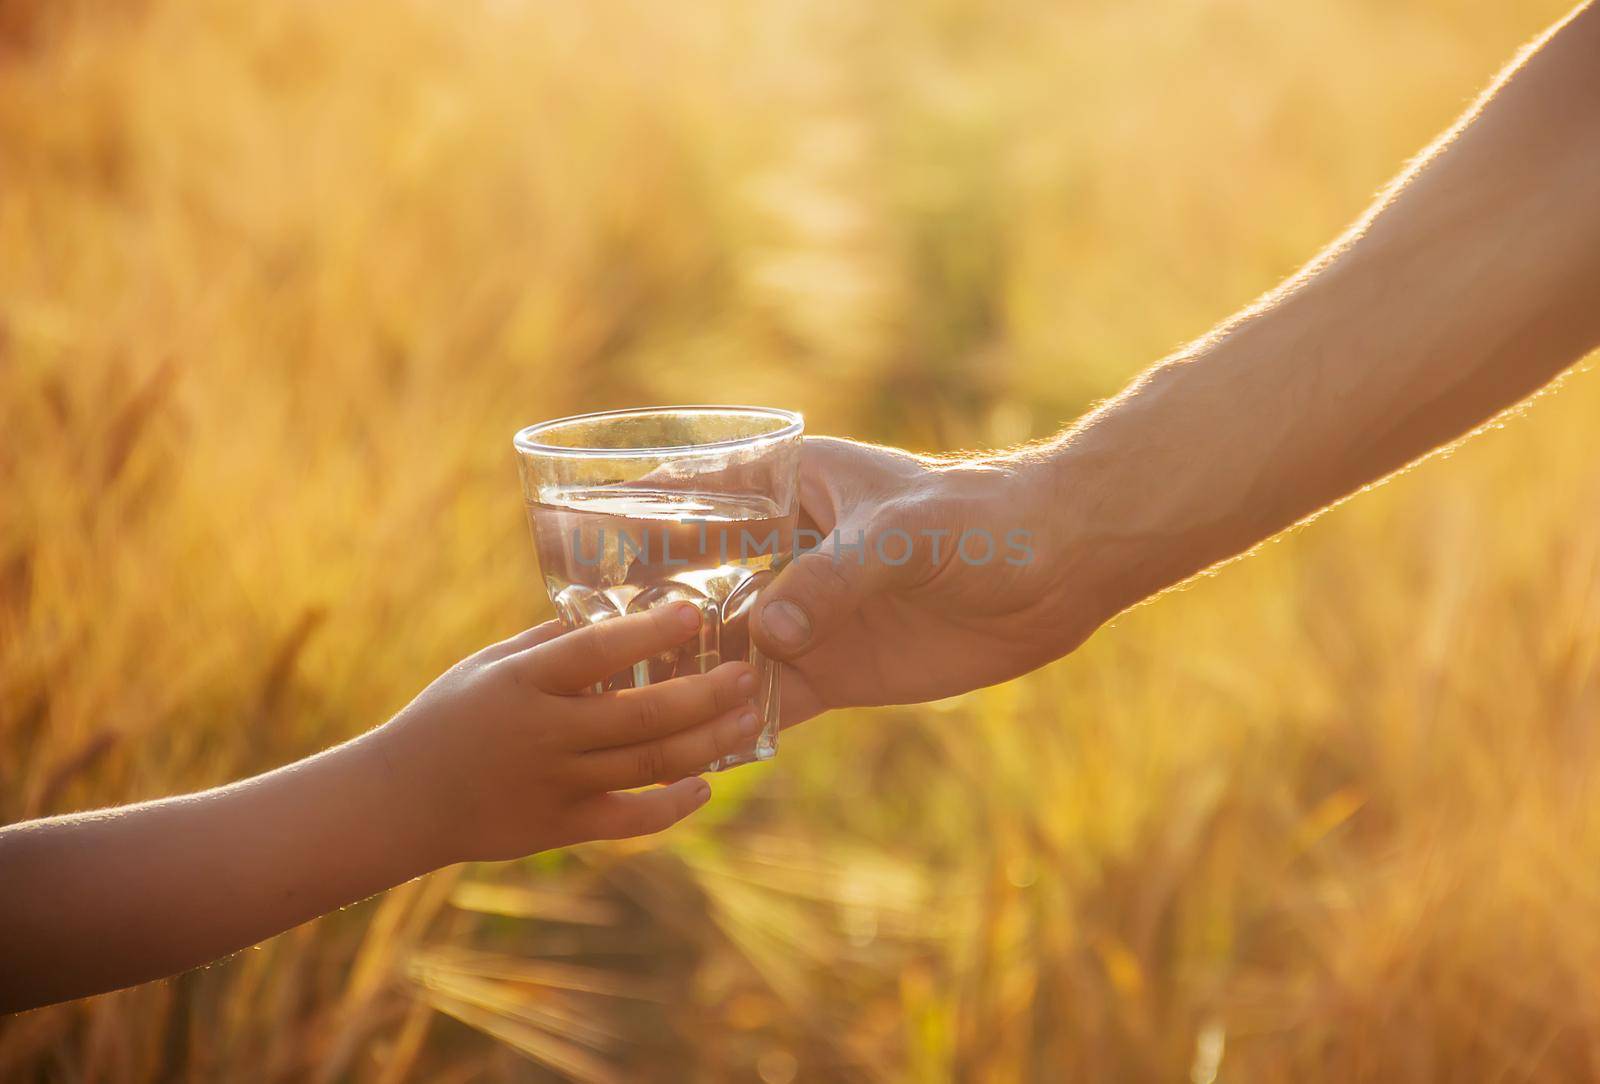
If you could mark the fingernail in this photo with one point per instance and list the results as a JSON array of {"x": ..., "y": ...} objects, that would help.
[
  {"x": 689, "y": 617},
  {"x": 702, "y": 791},
  {"x": 748, "y": 723},
  {"x": 747, "y": 684},
  {"x": 786, "y": 623}
]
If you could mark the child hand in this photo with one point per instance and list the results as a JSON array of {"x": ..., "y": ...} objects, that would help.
[
  {"x": 497, "y": 758},
  {"x": 502, "y": 756}
]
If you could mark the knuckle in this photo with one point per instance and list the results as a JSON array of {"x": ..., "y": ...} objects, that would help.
[
  {"x": 509, "y": 676},
  {"x": 605, "y": 640},
  {"x": 675, "y": 762},
  {"x": 649, "y": 714},
  {"x": 650, "y": 762},
  {"x": 825, "y": 572}
]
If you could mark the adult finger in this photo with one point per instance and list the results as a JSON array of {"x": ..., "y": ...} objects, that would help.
[
  {"x": 843, "y": 489},
  {"x": 816, "y": 593}
]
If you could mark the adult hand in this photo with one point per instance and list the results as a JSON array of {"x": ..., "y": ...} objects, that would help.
[
  {"x": 1469, "y": 285},
  {"x": 918, "y": 612}
]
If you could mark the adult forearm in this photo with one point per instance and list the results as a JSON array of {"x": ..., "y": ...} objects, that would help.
[
  {"x": 101, "y": 900},
  {"x": 1471, "y": 284}
]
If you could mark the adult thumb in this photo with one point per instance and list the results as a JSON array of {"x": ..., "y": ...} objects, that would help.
[{"x": 817, "y": 592}]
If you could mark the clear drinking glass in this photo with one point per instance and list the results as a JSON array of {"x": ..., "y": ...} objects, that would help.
[{"x": 636, "y": 508}]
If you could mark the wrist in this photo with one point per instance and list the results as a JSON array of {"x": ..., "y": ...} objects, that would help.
[
  {"x": 1089, "y": 556},
  {"x": 411, "y": 803}
]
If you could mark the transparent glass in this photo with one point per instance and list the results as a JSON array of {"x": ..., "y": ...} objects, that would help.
[{"x": 636, "y": 508}]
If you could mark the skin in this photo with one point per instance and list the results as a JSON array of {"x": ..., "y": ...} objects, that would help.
[
  {"x": 1472, "y": 282},
  {"x": 498, "y": 758}
]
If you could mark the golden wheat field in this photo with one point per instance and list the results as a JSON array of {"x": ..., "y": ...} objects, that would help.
[{"x": 278, "y": 280}]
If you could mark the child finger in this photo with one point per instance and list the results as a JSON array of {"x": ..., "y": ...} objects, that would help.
[
  {"x": 640, "y": 813},
  {"x": 673, "y": 757},
  {"x": 630, "y": 716},
  {"x": 522, "y": 641},
  {"x": 579, "y": 659}
]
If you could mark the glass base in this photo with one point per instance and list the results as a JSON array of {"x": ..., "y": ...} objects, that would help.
[{"x": 765, "y": 749}]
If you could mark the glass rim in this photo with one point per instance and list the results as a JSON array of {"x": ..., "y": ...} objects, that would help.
[{"x": 526, "y": 439}]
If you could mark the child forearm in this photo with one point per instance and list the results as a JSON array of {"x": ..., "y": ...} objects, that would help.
[{"x": 96, "y": 901}]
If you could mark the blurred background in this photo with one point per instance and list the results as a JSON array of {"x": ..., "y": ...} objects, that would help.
[{"x": 278, "y": 280}]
